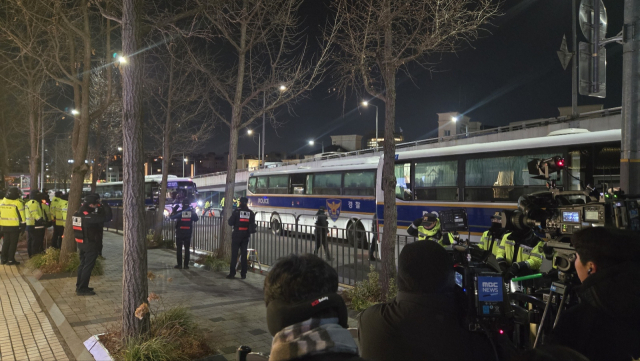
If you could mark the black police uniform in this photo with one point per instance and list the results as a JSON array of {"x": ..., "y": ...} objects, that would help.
[
  {"x": 322, "y": 228},
  {"x": 87, "y": 225},
  {"x": 108, "y": 216},
  {"x": 184, "y": 228},
  {"x": 243, "y": 221}
]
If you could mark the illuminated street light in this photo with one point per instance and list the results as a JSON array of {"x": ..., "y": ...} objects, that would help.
[
  {"x": 365, "y": 103},
  {"x": 283, "y": 88},
  {"x": 75, "y": 112},
  {"x": 455, "y": 119},
  {"x": 119, "y": 149},
  {"x": 122, "y": 60},
  {"x": 249, "y": 131},
  {"x": 311, "y": 142}
]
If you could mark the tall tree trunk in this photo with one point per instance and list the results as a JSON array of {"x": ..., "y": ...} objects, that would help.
[
  {"x": 34, "y": 158},
  {"x": 157, "y": 236},
  {"x": 225, "y": 240},
  {"x": 96, "y": 169},
  {"x": 134, "y": 280},
  {"x": 388, "y": 174}
]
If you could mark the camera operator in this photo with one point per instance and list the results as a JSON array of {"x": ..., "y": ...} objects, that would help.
[
  {"x": 428, "y": 228},
  {"x": 606, "y": 323},
  {"x": 520, "y": 253},
  {"x": 491, "y": 239},
  {"x": 425, "y": 320}
]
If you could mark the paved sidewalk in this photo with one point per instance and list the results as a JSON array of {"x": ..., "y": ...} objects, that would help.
[
  {"x": 232, "y": 312},
  {"x": 26, "y": 333}
]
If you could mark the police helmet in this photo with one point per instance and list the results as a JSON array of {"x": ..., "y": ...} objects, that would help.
[{"x": 244, "y": 200}]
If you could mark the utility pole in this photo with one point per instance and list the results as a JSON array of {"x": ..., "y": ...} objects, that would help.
[
  {"x": 630, "y": 153},
  {"x": 42, "y": 157},
  {"x": 264, "y": 135}
]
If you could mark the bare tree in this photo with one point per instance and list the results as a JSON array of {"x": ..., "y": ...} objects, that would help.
[
  {"x": 62, "y": 153},
  {"x": 268, "y": 64},
  {"x": 176, "y": 107},
  {"x": 381, "y": 37},
  {"x": 9, "y": 143}
]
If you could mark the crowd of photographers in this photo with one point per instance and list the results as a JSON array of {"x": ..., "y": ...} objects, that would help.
[{"x": 424, "y": 322}]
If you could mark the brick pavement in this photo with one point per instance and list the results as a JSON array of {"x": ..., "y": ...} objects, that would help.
[
  {"x": 26, "y": 333},
  {"x": 232, "y": 312}
]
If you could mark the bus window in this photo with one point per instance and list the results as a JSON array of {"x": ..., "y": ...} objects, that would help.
[
  {"x": 148, "y": 190},
  {"x": 403, "y": 181},
  {"x": 501, "y": 178},
  {"x": 309, "y": 189},
  {"x": 252, "y": 184},
  {"x": 437, "y": 181},
  {"x": 359, "y": 183},
  {"x": 327, "y": 183},
  {"x": 297, "y": 183},
  {"x": 262, "y": 185},
  {"x": 278, "y": 184}
]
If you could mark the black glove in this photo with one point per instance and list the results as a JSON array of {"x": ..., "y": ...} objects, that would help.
[
  {"x": 503, "y": 265},
  {"x": 23, "y": 227},
  {"x": 175, "y": 209},
  {"x": 518, "y": 268}
]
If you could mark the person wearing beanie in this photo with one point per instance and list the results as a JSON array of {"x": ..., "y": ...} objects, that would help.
[
  {"x": 13, "y": 222},
  {"x": 306, "y": 317},
  {"x": 425, "y": 320},
  {"x": 87, "y": 223},
  {"x": 243, "y": 221},
  {"x": 36, "y": 222}
]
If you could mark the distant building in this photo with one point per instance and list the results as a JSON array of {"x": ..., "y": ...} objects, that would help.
[
  {"x": 347, "y": 142},
  {"x": 453, "y": 123}
]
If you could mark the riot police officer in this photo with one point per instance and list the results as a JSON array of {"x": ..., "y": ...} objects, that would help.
[
  {"x": 428, "y": 228},
  {"x": 61, "y": 219},
  {"x": 490, "y": 240},
  {"x": 243, "y": 221},
  {"x": 12, "y": 221},
  {"x": 184, "y": 227},
  {"x": 520, "y": 253},
  {"x": 57, "y": 230},
  {"x": 36, "y": 222},
  {"x": 88, "y": 222}
]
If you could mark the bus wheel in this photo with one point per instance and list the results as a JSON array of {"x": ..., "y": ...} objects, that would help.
[
  {"x": 356, "y": 235},
  {"x": 276, "y": 225}
]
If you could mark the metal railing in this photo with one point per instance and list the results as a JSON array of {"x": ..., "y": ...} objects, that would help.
[
  {"x": 117, "y": 222},
  {"x": 348, "y": 249}
]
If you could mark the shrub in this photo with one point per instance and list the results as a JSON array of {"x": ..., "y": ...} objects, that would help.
[
  {"x": 151, "y": 349},
  {"x": 214, "y": 263},
  {"x": 368, "y": 292},
  {"x": 49, "y": 262}
]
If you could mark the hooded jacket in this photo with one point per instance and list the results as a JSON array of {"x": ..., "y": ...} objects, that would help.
[{"x": 606, "y": 323}]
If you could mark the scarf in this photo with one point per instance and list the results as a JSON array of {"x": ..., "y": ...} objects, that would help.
[{"x": 313, "y": 336}]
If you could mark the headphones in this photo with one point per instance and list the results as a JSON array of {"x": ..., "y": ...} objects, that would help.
[{"x": 281, "y": 314}]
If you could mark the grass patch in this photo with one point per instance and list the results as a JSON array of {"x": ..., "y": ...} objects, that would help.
[
  {"x": 368, "y": 292},
  {"x": 49, "y": 262},
  {"x": 214, "y": 263},
  {"x": 152, "y": 243},
  {"x": 173, "y": 335}
]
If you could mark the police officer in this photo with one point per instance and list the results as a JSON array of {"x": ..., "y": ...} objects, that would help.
[
  {"x": 428, "y": 228},
  {"x": 520, "y": 253},
  {"x": 184, "y": 227},
  {"x": 322, "y": 228},
  {"x": 108, "y": 215},
  {"x": 243, "y": 221},
  {"x": 12, "y": 221},
  {"x": 61, "y": 219},
  {"x": 36, "y": 222},
  {"x": 87, "y": 223},
  {"x": 52, "y": 208},
  {"x": 490, "y": 240}
]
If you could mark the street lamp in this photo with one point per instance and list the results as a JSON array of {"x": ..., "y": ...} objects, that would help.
[
  {"x": 122, "y": 60},
  {"x": 311, "y": 142},
  {"x": 74, "y": 112},
  {"x": 454, "y": 119},
  {"x": 366, "y": 104},
  {"x": 119, "y": 149},
  {"x": 250, "y": 131},
  {"x": 282, "y": 88},
  {"x": 185, "y": 162}
]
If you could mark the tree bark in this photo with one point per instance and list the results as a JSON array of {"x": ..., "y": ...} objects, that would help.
[
  {"x": 134, "y": 280},
  {"x": 388, "y": 174},
  {"x": 34, "y": 130}
]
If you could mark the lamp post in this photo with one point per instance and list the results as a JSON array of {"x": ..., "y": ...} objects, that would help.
[
  {"x": 282, "y": 88},
  {"x": 311, "y": 142},
  {"x": 183, "y": 163},
  {"x": 366, "y": 104},
  {"x": 250, "y": 131}
]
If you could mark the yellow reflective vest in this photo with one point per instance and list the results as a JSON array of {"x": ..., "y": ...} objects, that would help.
[
  {"x": 434, "y": 234},
  {"x": 47, "y": 211},
  {"x": 11, "y": 213},
  {"x": 61, "y": 212},
  {"x": 485, "y": 242},
  {"x": 33, "y": 211},
  {"x": 531, "y": 255},
  {"x": 52, "y": 207}
]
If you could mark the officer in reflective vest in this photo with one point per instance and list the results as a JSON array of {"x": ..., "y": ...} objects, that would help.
[
  {"x": 53, "y": 208},
  {"x": 520, "y": 253},
  {"x": 61, "y": 219},
  {"x": 36, "y": 222},
  {"x": 490, "y": 240},
  {"x": 243, "y": 221},
  {"x": 87, "y": 223},
  {"x": 428, "y": 228},
  {"x": 184, "y": 227},
  {"x": 12, "y": 221}
]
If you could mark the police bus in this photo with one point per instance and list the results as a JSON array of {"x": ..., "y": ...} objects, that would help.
[
  {"x": 482, "y": 178},
  {"x": 177, "y": 190}
]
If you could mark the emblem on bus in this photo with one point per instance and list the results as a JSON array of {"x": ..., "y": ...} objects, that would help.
[{"x": 333, "y": 208}]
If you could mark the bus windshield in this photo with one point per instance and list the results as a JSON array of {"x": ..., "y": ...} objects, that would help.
[{"x": 177, "y": 191}]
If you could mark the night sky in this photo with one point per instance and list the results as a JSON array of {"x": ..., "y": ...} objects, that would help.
[{"x": 511, "y": 74}]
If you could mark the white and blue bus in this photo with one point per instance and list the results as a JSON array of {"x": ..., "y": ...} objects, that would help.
[
  {"x": 177, "y": 190},
  {"x": 345, "y": 187},
  {"x": 489, "y": 177},
  {"x": 482, "y": 178}
]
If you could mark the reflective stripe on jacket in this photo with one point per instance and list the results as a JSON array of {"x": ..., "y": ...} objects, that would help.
[
  {"x": 485, "y": 241},
  {"x": 33, "y": 212},
  {"x": 61, "y": 212},
  {"x": 531, "y": 255}
]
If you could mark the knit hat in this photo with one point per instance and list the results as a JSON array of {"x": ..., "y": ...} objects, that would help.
[{"x": 425, "y": 267}]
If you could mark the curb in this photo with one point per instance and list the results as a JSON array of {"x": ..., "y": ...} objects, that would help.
[{"x": 76, "y": 345}]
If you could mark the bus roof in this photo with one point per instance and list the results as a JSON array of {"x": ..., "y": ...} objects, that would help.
[
  {"x": 614, "y": 135},
  {"x": 325, "y": 166}
]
